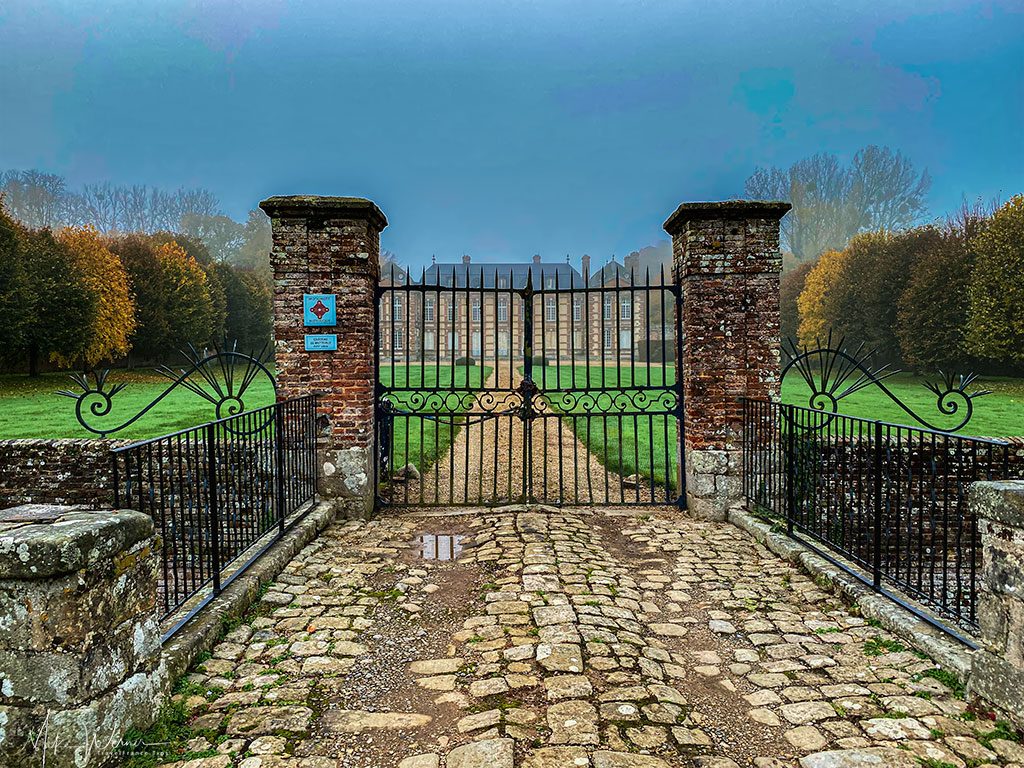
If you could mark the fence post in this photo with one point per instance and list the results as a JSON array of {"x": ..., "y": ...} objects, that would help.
[
  {"x": 790, "y": 415},
  {"x": 526, "y": 388},
  {"x": 211, "y": 487},
  {"x": 279, "y": 468},
  {"x": 876, "y": 555}
]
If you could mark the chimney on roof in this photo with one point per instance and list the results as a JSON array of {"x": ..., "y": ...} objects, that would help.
[
  {"x": 465, "y": 258},
  {"x": 586, "y": 267},
  {"x": 536, "y": 258}
]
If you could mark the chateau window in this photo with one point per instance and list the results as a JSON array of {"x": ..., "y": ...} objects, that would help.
[
  {"x": 577, "y": 308},
  {"x": 609, "y": 338},
  {"x": 551, "y": 309},
  {"x": 503, "y": 282},
  {"x": 607, "y": 307},
  {"x": 396, "y": 305},
  {"x": 503, "y": 309},
  {"x": 626, "y": 308},
  {"x": 428, "y": 309},
  {"x": 476, "y": 309},
  {"x": 549, "y": 282},
  {"x": 398, "y": 338},
  {"x": 453, "y": 310}
]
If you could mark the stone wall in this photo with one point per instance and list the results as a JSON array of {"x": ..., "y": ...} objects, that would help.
[
  {"x": 997, "y": 670},
  {"x": 79, "y": 639},
  {"x": 726, "y": 257},
  {"x": 69, "y": 471}
]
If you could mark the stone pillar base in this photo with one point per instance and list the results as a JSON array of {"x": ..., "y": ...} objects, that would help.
[
  {"x": 346, "y": 480},
  {"x": 713, "y": 483},
  {"x": 997, "y": 668},
  {"x": 79, "y": 638}
]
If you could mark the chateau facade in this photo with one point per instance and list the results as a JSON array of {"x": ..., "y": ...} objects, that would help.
[{"x": 460, "y": 310}]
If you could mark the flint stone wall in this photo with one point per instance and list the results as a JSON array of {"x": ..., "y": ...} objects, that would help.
[
  {"x": 65, "y": 471},
  {"x": 79, "y": 638},
  {"x": 997, "y": 670}
]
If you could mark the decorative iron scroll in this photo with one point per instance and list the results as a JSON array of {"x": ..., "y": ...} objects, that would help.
[
  {"x": 833, "y": 373},
  {"x": 221, "y": 378}
]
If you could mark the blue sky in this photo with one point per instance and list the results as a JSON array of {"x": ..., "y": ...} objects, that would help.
[{"x": 504, "y": 129}]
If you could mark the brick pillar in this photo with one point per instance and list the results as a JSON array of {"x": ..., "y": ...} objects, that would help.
[
  {"x": 726, "y": 258},
  {"x": 331, "y": 245},
  {"x": 997, "y": 668}
]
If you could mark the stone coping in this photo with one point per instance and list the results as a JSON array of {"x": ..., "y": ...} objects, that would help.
[
  {"x": 725, "y": 209},
  {"x": 332, "y": 207},
  {"x": 1001, "y": 501},
  {"x": 39, "y": 541}
]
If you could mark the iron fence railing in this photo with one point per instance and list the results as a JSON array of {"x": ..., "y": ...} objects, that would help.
[
  {"x": 528, "y": 383},
  {"x": 889, "y": 500},
  {"x": 219, "y": 494}
]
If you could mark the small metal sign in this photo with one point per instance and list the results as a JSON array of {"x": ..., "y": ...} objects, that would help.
[
  {"x": 319, "y": 309},
  {"x": 321, "y": 342}
]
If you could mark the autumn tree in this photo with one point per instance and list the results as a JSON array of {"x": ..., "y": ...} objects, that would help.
[
  {"x": 171, "y": 294},
  {"x": 933, "y": 311},
  {"x": 14, "y": 289},
  {"x": 190, "y": 314},
  {"x": 790, "y": 288},
  {"x": 818, "y": 299},
  {"x": 878, "y": 266},
  {"x": 249, "y": 312},
  {"x": 60, "y": 309},
  {"x": 103, "y": 276},
  {"x": 995, "y": 329},
  {"x": 199, "y": 251}
]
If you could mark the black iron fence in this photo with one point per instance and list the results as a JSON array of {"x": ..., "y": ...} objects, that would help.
[
  {"x": 220, "y": 494},
  {"x": 889, "y": 500},
  {"x": 528, "y": 383}
]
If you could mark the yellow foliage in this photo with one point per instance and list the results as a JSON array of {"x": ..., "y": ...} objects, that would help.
[
  {"x": 816, "y": 300},
  {"x": 105, "y": 278}
]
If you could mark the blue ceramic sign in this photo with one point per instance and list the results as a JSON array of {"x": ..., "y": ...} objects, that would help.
[
  {"x": 321, "y": 342},
  {"x": 319, "y": 309}
]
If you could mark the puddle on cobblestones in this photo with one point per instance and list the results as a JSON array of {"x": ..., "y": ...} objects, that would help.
[{"x": 440, "y": 546}]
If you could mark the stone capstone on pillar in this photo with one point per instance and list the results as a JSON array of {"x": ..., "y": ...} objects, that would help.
[
  {"x": 331, "y": 245},
  {"x": 726, "y": 258},
  {"x": 997, "y": 668},
  {"x": 79, "y": 635}
]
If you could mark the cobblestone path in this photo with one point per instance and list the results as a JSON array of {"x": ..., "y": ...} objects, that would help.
[{"x": 558, "y": 638}]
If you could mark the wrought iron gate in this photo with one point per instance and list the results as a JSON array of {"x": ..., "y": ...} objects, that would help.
[{"x": 528, "y": 383}]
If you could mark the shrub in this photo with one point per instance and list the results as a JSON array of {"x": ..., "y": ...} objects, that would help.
[
  {"x": 539, "y": 360},
  {"x": 465, "y": 361}
]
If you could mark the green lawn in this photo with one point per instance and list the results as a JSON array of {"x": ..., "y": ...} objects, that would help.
[
  {"x": 421, "y": 441},
  {"x": 32, "y": 407},
  {"x": 632, "y": 437},
  {"x": 1000, "y": 414},
  {"x": 637, "y": 445}
]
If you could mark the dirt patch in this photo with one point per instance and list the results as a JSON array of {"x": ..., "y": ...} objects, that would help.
[{"x": 445, "y": 593}]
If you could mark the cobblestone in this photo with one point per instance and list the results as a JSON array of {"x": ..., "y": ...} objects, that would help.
[{"x": 563, "y": 638}]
